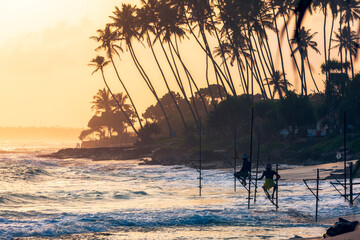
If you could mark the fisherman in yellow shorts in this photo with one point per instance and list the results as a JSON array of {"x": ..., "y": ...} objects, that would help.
[{"x": 269, "y": 179}]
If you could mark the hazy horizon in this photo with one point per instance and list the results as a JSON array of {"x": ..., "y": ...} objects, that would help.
[{"x": 40, "y": 134}]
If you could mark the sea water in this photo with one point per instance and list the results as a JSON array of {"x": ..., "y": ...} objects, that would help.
[{"x": 85, "y": 199}]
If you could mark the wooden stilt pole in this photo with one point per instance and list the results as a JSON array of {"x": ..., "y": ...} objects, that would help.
[
  {"x": 200, "y": 159},
  {"x": 235, "y": 154},
  {"x": 257, "y": 169},
  {"x": 345, "y": 154},
  {"x": 251, "y": 142},
  {"x": 351, "y": 183},
  {"x": 277, "y": 188},
  {"x": 317, "y": 194}
]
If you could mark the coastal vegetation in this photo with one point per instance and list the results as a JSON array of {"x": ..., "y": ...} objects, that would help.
[{"x": 243, "y": 69}]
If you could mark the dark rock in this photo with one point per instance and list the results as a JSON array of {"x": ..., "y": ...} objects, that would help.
[{"x": 114, "y": 153}]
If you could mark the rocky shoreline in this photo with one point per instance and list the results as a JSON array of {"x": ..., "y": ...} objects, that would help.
[
  {"x": 104, "y": 153},
  {"x": 215, "y": 159}
]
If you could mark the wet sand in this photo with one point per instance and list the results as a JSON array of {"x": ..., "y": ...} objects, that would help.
[{"x": 298, "y": 173}]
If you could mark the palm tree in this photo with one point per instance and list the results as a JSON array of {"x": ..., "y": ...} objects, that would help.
[
  {"x": 279, "y": 83},
  {"x": 273, "y": 5},
  {"x": 101, "y": 102},
  {"x": 335, "y": 6},
  {"x": 127, "y": 24},
  {"x": 347, "y": 41},
  {"x": 107, "y": 38},
  {"x": 121, "y": 99},
  {"x": 351, "y": 10},
  {"x": 99, "y": 63},
  {"x": 284, "y": 7},
  {"x": 303, "y": 41}
]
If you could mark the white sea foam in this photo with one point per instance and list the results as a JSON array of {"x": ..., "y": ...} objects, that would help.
[{"x": 49, "y": 197}]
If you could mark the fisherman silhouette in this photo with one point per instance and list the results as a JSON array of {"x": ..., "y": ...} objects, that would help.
[
  {"x": 245, "y": 169},
  {"x": 269, "y": 180}
]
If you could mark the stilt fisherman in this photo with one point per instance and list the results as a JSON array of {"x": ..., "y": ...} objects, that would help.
[{"x": 269, "y": 180}]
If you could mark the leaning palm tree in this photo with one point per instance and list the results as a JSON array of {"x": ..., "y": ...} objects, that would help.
[
  {"x": 99, "y": 63},
  {"x": 127, "y": 24},
  {"x": 200, "y": 14},
  {"x": 107, "y": 38},
  {"x": 170, "y": 26},
  {"x": 148, "y": 24},
  {"x": 303, "y": 41}
]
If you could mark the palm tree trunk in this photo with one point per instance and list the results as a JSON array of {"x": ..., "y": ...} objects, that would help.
[
  {"x": 223, "y": 57},
  {"x": 188, "y": 73},
  {"x": 279, "y": 44},
  {"x": 324, "y": 30},
  {"x": 303, "y": 74},
  {"x": 267, "y": 62},
  {"x": 180, "y": 84},
  {"x": 291, "y": 49},
  {"x": 255, "y": 65},
  {"x": 217, "y": 69},
  {"x": 308, "y": 62},
  {"x": 341, "y": 54},
  {"x": 117, "y": 102},
  {"x": 238, "y": 59},
  {"x": 350, "y": 52},
  {"x": 166, "y": 82},
  {"x": 267, "y": 48},
  {"x": 331, "y": 31},
  {"x": 151, "y": 87},
  {"x": 127, "y": 93},
  {"x": 262, "y": 66},
  {"x": 207, "y": 77}
]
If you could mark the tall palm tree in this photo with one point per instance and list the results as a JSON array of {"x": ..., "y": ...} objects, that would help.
[
  {"x": 351, "y": 9},
  {"x": 99, "y": 63},
  {"x": 107, "y": 38},
  {"x": 127, "y": 24},
  {"x": 335, "y": 6},
  {"x": 274, "y": 4},
  {"x": 303, "y": 42},
  {"x": 347, "y": 41}
]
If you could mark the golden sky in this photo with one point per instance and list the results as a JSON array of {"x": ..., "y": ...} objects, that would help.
[{"x": 45, "y": 49}]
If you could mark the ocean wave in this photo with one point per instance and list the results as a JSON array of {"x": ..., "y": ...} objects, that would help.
[{"x": 27, "y": 225}]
